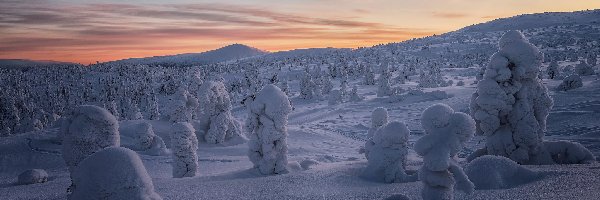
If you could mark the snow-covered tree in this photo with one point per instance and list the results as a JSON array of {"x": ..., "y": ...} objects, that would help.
[
  {"x": 335, "y": 97},
  {"x": 113, "y": 173},
  {"x": 354, "y": 96},
  {"x": 379, "y": 118},
  {"x": 552, "y": 70},
  {"x": 87, "y": 130},
  {"x": 446, "y": 132},
  {"x": 184, "y": 145},
  {"x": 571, "y": 82},
  {"x": 511, "y": 103},
  {"x": 267, "y": 127},
  {"x": 383, "y": 84},
  {"x": 147, "y": 141},
  {"x": 307, "y": 86},
  {"x": 387, "y": 156},
  {"x": 369, "y": 76},
  {"x": 218, "y": 125},
  {"x": 181, "y": 105},
  {"x": 583, "y": 69},
  {"x": 153, "y": 111}
]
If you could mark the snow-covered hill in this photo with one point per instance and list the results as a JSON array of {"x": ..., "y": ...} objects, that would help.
[{"x": 230, "y": 52}]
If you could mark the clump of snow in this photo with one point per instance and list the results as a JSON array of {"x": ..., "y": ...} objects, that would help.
[
  {"x": 89, "y": 129},
  {"x": 32, "y": 176},
  {"x": 113, "y": 173},
  {"x": 511, "y": 103},
  {"x": 446, "y": 133},
  {"x": 184, "y": 146},
  {"x": 218, "y": 125},
  {"x": 571, "y": 82},
  {"x": 565, "y": 152},
  {"x": 583, "y": 69},
  {"x": 387, "y": 155},
  {"x": 267, "y": 126},
  {"x": 497, "y": 172},
  {"x": 308, "y": 163}
]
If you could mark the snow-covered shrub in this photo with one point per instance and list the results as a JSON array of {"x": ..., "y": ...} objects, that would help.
[
  {"x": 181, "y": 105},
  {"x": 552, "y": 70},
  {"x": 565, "y": 152},
  {"x": 146, "y": 141},
  {"x": 113, "y": 173},
  {"x": 32, "y": 176},
  {"x": 335, "y": 97},
  {"x": 583, "y": 69},
  {"x": 307, "y": 86},
  {"x": 218, "y": 123},
  {"x": 184, "y": 145},
  {"x": 460, "y": 83},
  {"x": 354, "y": 96},
  {"x": 497, "y": 172},
  {"x": 446, "y": 132},
  {"x": 511, "y": 103},
  {"x": 369, "y": 76},
  {"x": 571, "y": 82},
  {"x": 87, "y": 130},
  {"x": 267, "y": 127},
  {"x": 387, "y": 155}
]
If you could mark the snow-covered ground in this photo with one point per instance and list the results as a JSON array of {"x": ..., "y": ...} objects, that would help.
[{"x": 332, "y": 136}]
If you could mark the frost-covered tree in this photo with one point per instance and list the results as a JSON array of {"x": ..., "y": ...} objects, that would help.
[
  {"x": 184, "y": 145},
  {"x": 218, "y": 125},
  {"x": 387, "y": 156},
  {"x": 379, "y": 118},
  {"x": 446, "y": 132},
  {"x": 147, "y": 141},
  {"x": 511, "y": 103},
  {"x": 335, "y": 97},
  {"x": 181, "y": 105},
  {"x": 552, "y": 70},
  {"x": 571, "y": 82},
  {"x": 354, "y": 96},
  {"x": 307, "y": 86},
  {"x": 113, "y": 173},
  {"x": 383, "y": 84},
  {"x": 583, "y": 69},
  {"x": 153, "y": 111},
  {"x": 369, "y": 76},
  {"x": 88, "y": 129},
  {"x": 267, "y": 127}
]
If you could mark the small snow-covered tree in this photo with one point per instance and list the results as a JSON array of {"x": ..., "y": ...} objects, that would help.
[
  {"x": 113, "y": 173},
  {"x": 446, "y": 133},
  {"x": 153, "y": 111},
  {"x": 369, "y": 76},
  {"x": 384, "y": 88},
  {"x": 511, "y": 103},
  {"x": 387, "y": 157},
  {"x": 147, "y": 141},
  {"x": 218, "y": 125},
  {"x": 571, "y": 82},
  {"x": 184, "y": 145},
  {"x": 354, "y": 96},
  {"x": 307, "y": 86},
  {"x": 552, "y": 70},
  {"x": 267, "y": 127},
  {"x": 379, "y": 118},
  {"x": 335, "y": 97}
]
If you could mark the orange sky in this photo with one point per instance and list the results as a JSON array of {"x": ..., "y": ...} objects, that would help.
[{"x": 104, "y": 30}]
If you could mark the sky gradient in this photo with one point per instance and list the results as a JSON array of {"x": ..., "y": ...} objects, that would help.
[{"x": 104, "y": 30}]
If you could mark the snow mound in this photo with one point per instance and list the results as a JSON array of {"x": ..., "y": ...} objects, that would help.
[
  {"x": 571, "y": 82},
  {"x": 497, "y": 172},
  {"x": 308, "y": 163},
  {"x": 32, "y": 176},
  {"x": 565, "y": 152},
  {"x": 113, "y": 173}
]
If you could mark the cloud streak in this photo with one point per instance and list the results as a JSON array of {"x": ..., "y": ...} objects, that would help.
[{"x": 29, "y": 29}]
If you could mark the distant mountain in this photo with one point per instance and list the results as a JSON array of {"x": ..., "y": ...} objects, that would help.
[
  {"x": 230, "y": 52},
  {"x": 29, "y": 63}
]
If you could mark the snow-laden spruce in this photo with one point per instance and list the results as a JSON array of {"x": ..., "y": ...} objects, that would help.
[
  {"x": 571, "y": 82},
  {"x": 387, "y": 155},
  {"x": 267, "y": 127},
  {"x": 497, "y": 172},
  {"x": 148, "y": 142},
  {"x": 379, "y": 118},
  {"x": 180, "y": 106},
  {"x": 354, "y": 96},
  {"x": 552, "y": 70},
  {"x": 184, "y": 145},
  {"x": 446, "y": 132},
  {"x": 112, "y": 174},
  {"x": 383, "y": 86},
  {"x": 511, "y": 103},
  {"x": 87, "y": 130},
  {"x": 217, "y": 124},
  {"x": 583, "y": 69}
]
